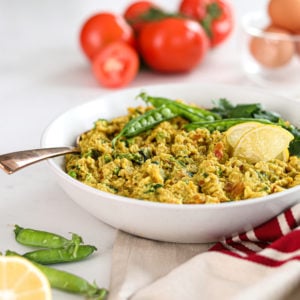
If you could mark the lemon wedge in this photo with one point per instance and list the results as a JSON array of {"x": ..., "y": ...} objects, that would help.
[
  {"x": 20, "y": 279},
  {"x": 284, "y": 155},
  {"x": 234, "y": 133},
  {"x": 263, "y": 143}
]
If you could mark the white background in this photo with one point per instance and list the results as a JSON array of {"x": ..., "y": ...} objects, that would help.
[{"x": 43, "y": 73}]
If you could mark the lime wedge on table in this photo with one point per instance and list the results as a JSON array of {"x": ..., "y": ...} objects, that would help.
[{"x": 261, "y": 143}]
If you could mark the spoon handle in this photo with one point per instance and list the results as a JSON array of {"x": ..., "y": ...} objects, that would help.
[{"x": 12, "y": 162}]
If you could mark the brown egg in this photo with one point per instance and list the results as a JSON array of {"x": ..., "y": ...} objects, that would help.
[
  {"x": 298, "y": 48},
  {"x": 273, "y": 50},
  {"x": 298, "y": 43},
  {"x": 285, "y": 14}
]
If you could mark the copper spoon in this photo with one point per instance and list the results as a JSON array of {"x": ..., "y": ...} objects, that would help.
[{"x": 12, "y": 162}]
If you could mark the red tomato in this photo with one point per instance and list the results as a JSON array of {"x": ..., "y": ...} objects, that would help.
[
  {"x": 115, "y": 65},
  {"x": 173, "y": 44},
  {"x": 195, "y": 9},
  {"x": 215, "y": 16},
  {"x": 133, "y": 13},
  {"x": 102, "y": 29},
  {"x": 222, "y": 26}
]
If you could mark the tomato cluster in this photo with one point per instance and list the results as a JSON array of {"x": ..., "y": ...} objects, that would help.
[{"x": 164, "y": 42}]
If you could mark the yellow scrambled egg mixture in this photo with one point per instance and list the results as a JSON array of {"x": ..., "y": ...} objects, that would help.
[{"x": 170, "y": 165}]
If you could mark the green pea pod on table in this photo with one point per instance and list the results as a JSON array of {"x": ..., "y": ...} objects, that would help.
[
  {"x": 191, "y": 113},
  {"x": 60, "y": 255},
  {"x": 44, "y": 239},
  {"x": 72, "y": 283},
  {"x": 68, "y": 282}
]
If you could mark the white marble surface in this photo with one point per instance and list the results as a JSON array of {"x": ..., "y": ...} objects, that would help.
[{"x": 42, "y": 74}]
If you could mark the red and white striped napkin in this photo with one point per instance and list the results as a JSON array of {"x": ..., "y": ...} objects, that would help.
[
  {"x": 272, "y": 244},
  {"x": 261, "y": 264}
]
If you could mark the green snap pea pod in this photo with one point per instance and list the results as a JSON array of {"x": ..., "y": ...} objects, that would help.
[
  {"x": 68, "y": 282},
  {"x": 188, "y": 112},
  {"x": 60, "y": 255},
  {"x": 144, "y": 122},
  {"x": 222, "y": 125},
  {"x": 44, "y": 239},
  {"x": 72, "y": 283}
]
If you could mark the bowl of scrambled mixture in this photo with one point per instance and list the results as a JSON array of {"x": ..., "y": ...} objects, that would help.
[{"x": 181, "y": 163}]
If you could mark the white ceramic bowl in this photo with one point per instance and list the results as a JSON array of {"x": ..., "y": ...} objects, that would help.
[{"x": 168, "y": 222}]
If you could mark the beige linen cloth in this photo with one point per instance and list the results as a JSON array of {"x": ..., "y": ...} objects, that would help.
[{"x": 263, "y": 264}]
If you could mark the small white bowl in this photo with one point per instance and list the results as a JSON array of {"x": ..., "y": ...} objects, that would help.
[
  {"x": 168, "y": 222},
  {"x": 269, "y": 59}
]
